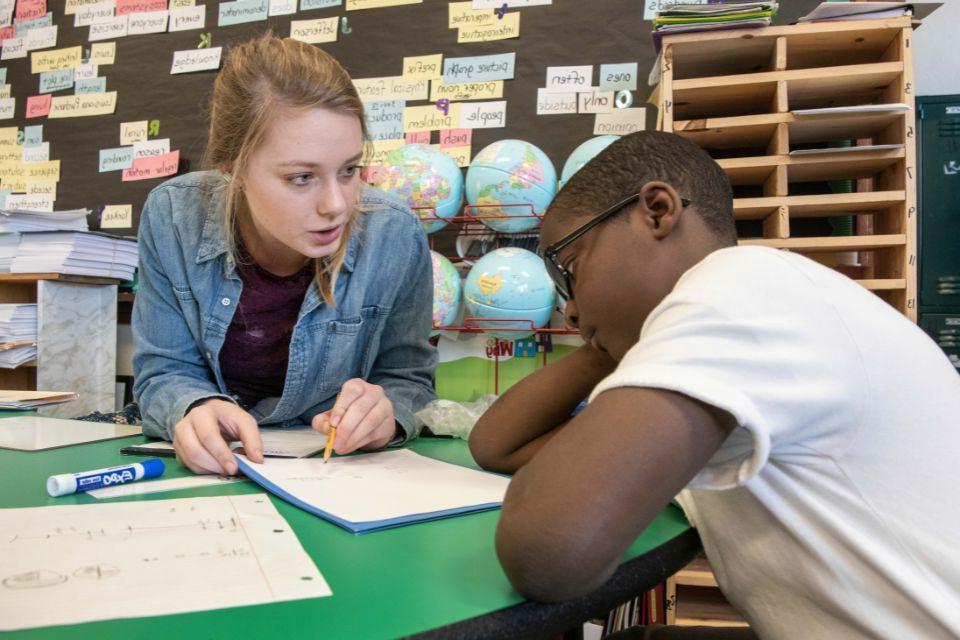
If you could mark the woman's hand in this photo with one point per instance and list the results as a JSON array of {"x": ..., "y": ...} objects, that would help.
[
  {"x": 200, "y": 438},
  {"x": 363, "y": 416}
]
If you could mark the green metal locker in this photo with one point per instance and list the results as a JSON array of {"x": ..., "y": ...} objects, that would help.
[
  {"x": 944, "y": 328},
  {"x": 938, "y": 132},
  {"x": 938, "y": 124}
]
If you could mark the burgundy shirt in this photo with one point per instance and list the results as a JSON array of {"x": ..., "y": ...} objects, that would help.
[{"x": 256, "y": 349}]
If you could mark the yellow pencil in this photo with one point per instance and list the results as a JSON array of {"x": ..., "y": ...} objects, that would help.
[
  {"x": 330, "y": 436},
  {"x": 329, "y": 447}
]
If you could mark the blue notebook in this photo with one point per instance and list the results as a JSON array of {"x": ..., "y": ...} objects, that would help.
[{"x": 376, "y": 491}]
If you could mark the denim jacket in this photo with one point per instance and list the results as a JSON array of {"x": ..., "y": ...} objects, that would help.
[{"x": 189, "y": 288}]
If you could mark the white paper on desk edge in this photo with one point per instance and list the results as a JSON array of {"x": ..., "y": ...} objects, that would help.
[
  {"x": 158, "y": 486},
  {"x": 277, "y": 442}
]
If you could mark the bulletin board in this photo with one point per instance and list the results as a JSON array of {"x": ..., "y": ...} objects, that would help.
[{"x": 370, "y": 43}]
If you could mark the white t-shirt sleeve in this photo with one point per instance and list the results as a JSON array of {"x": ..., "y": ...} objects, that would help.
[{"x": 735, "y": 342}]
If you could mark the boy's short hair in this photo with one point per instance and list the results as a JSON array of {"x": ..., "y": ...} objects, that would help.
[{"x": 621, "y": 170}]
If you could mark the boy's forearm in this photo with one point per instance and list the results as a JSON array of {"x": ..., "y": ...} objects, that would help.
[{"x": 527, "y": 415}]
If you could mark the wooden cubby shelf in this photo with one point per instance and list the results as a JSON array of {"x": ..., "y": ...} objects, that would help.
[{"x": 804, "y": 182}]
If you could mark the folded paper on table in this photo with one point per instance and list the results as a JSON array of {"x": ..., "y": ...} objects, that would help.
[{"x": 376, "y": 491}]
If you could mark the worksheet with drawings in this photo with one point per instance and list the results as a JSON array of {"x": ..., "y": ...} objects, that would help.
[
  {"x": 78, "y": 563},
  {"x": 374, "y": 491}
]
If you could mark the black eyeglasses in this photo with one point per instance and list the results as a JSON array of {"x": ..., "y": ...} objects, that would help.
[{"x": 558, "y": 273}]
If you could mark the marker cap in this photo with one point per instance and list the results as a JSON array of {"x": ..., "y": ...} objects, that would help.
[
  {"x": 153, "y": 468},
  {"x": 61, "y": 485}
]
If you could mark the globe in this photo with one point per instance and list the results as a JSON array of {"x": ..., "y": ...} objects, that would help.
[
  {"x": 510, "y": 172},
  {"x": 447, "y": 291},
  {"x": 583, "y": 154},
  {"x": 509, "y": 283},
  {"x": 423, "y": 177}
]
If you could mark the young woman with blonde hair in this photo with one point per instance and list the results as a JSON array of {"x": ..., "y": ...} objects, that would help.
[{"x": 276, "y": 289}]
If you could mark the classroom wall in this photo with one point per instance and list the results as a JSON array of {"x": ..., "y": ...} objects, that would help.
[{"x": 937, "y": 58}]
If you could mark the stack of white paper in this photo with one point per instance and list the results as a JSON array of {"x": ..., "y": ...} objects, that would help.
[
  {"x": 18, "y": 322},
  {"x": 14, "y": 354},
  {"x": 82, "y": 253},
  {"x": 8, "y": 249},
  {"x": 22, "y": 220},
  {"x": 18, "y": 334}
]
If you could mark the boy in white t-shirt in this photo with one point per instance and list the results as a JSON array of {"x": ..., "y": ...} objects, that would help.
[{"x": 811, "y": 428}]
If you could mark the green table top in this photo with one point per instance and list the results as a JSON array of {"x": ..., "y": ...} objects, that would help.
[{"x": 385, "y": 584}]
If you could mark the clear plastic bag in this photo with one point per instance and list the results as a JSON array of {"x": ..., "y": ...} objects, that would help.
[{"x": 446, "y": 417}]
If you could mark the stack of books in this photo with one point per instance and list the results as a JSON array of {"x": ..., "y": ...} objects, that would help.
[
  {"x": 81, "y": 253},
  {"x": 16, "y": 221},
  {"x": 18, "y": 334},
  {"x": 684, "y": 17},
  {"x": 12, "y": 220},
  {"x": 8, "y": 249}
]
